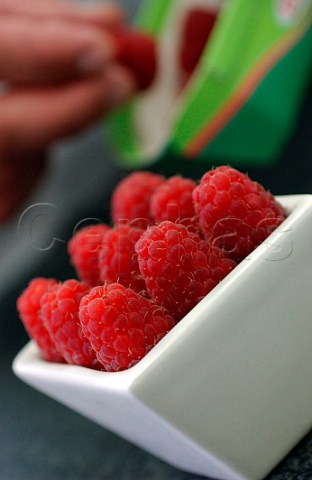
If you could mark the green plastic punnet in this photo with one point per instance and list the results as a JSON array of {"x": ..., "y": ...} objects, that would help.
[{"x": 241, "y": 102}]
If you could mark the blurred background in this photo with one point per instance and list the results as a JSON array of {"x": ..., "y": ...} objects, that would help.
[{"x": 40, "y": 438}]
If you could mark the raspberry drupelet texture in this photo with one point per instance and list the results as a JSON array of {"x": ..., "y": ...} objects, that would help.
[
  {"x": 59, "y": 313},
  {"x": 28, "y": 306},
  {"x": 173, "y": 201},
  {"x": 178, "y": 267},
  {"x": 131, "y": 198},
  {"x": 235, "y": 213},
  {"x": 122, "y": 326},
  {"x": 83, "y": 249},
  {"x": 118, "y": 261}
]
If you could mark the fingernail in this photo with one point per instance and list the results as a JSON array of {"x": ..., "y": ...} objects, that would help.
[
  {"x": 121, "y": 85},
  {"x": 93, "y": 61}
]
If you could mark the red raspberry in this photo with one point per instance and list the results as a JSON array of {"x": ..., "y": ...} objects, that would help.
[
  {"x": 121, "y": 325},
  {"x": 179, "y": 268},
  {"x": 59, "y": 313},
  {"x": 83, "y": 249},
  {"x": 137, "y": 51},
  {"x": 173, "y": 201},
  {"x": 236, "y": 213},
  {"x": 28, "y": 306},
  {"x": 118, "y": 261},
  {"x": 131, "y": 198}
]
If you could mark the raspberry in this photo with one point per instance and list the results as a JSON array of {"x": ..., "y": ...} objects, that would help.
[
  {"x": 137, "y": 51},
  {"x": 235, "y": 213},
  {"x": 173, "y": 201},
  {"x": 178, "y": 267},
  {"x": 59, "y": 313},
  {"x": 118, "y": 261},
  {"x": 131, "y": 198},
  {"x": 121, "y": 325},
  {"x": 83, "y": 249},
  {"x": 28, "y": 306}
]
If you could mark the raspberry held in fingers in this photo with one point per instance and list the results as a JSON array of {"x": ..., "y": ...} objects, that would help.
[{"x": 137, "y": 51}]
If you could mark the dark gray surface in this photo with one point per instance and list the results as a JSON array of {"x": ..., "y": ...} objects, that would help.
[{"x": 43, "y": 440}]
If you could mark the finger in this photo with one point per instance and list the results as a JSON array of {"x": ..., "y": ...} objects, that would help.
[
  {"x": 33, "y": 51},
  {"x": 107, "y": 15},
  {"x": 32, "y": 118}
]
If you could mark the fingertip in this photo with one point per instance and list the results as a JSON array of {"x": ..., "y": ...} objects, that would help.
[
  {"x": 96, "y": 57},
  {"x": 120, "y": 86}
]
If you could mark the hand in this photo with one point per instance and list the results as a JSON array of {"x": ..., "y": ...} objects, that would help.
[{"x": 57, "y": 63}]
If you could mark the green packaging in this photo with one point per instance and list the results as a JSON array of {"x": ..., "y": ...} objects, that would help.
[{"x": 241, "y": 102}]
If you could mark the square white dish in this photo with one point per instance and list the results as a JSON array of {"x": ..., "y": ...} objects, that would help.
[{"x": 228, "y": 392}]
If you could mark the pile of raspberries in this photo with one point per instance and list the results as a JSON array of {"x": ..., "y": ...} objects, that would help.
[{"x": 170, "y": 243}]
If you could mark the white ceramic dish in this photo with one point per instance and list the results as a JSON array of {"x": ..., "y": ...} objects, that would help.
[{"x": 228, "y": 392}]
